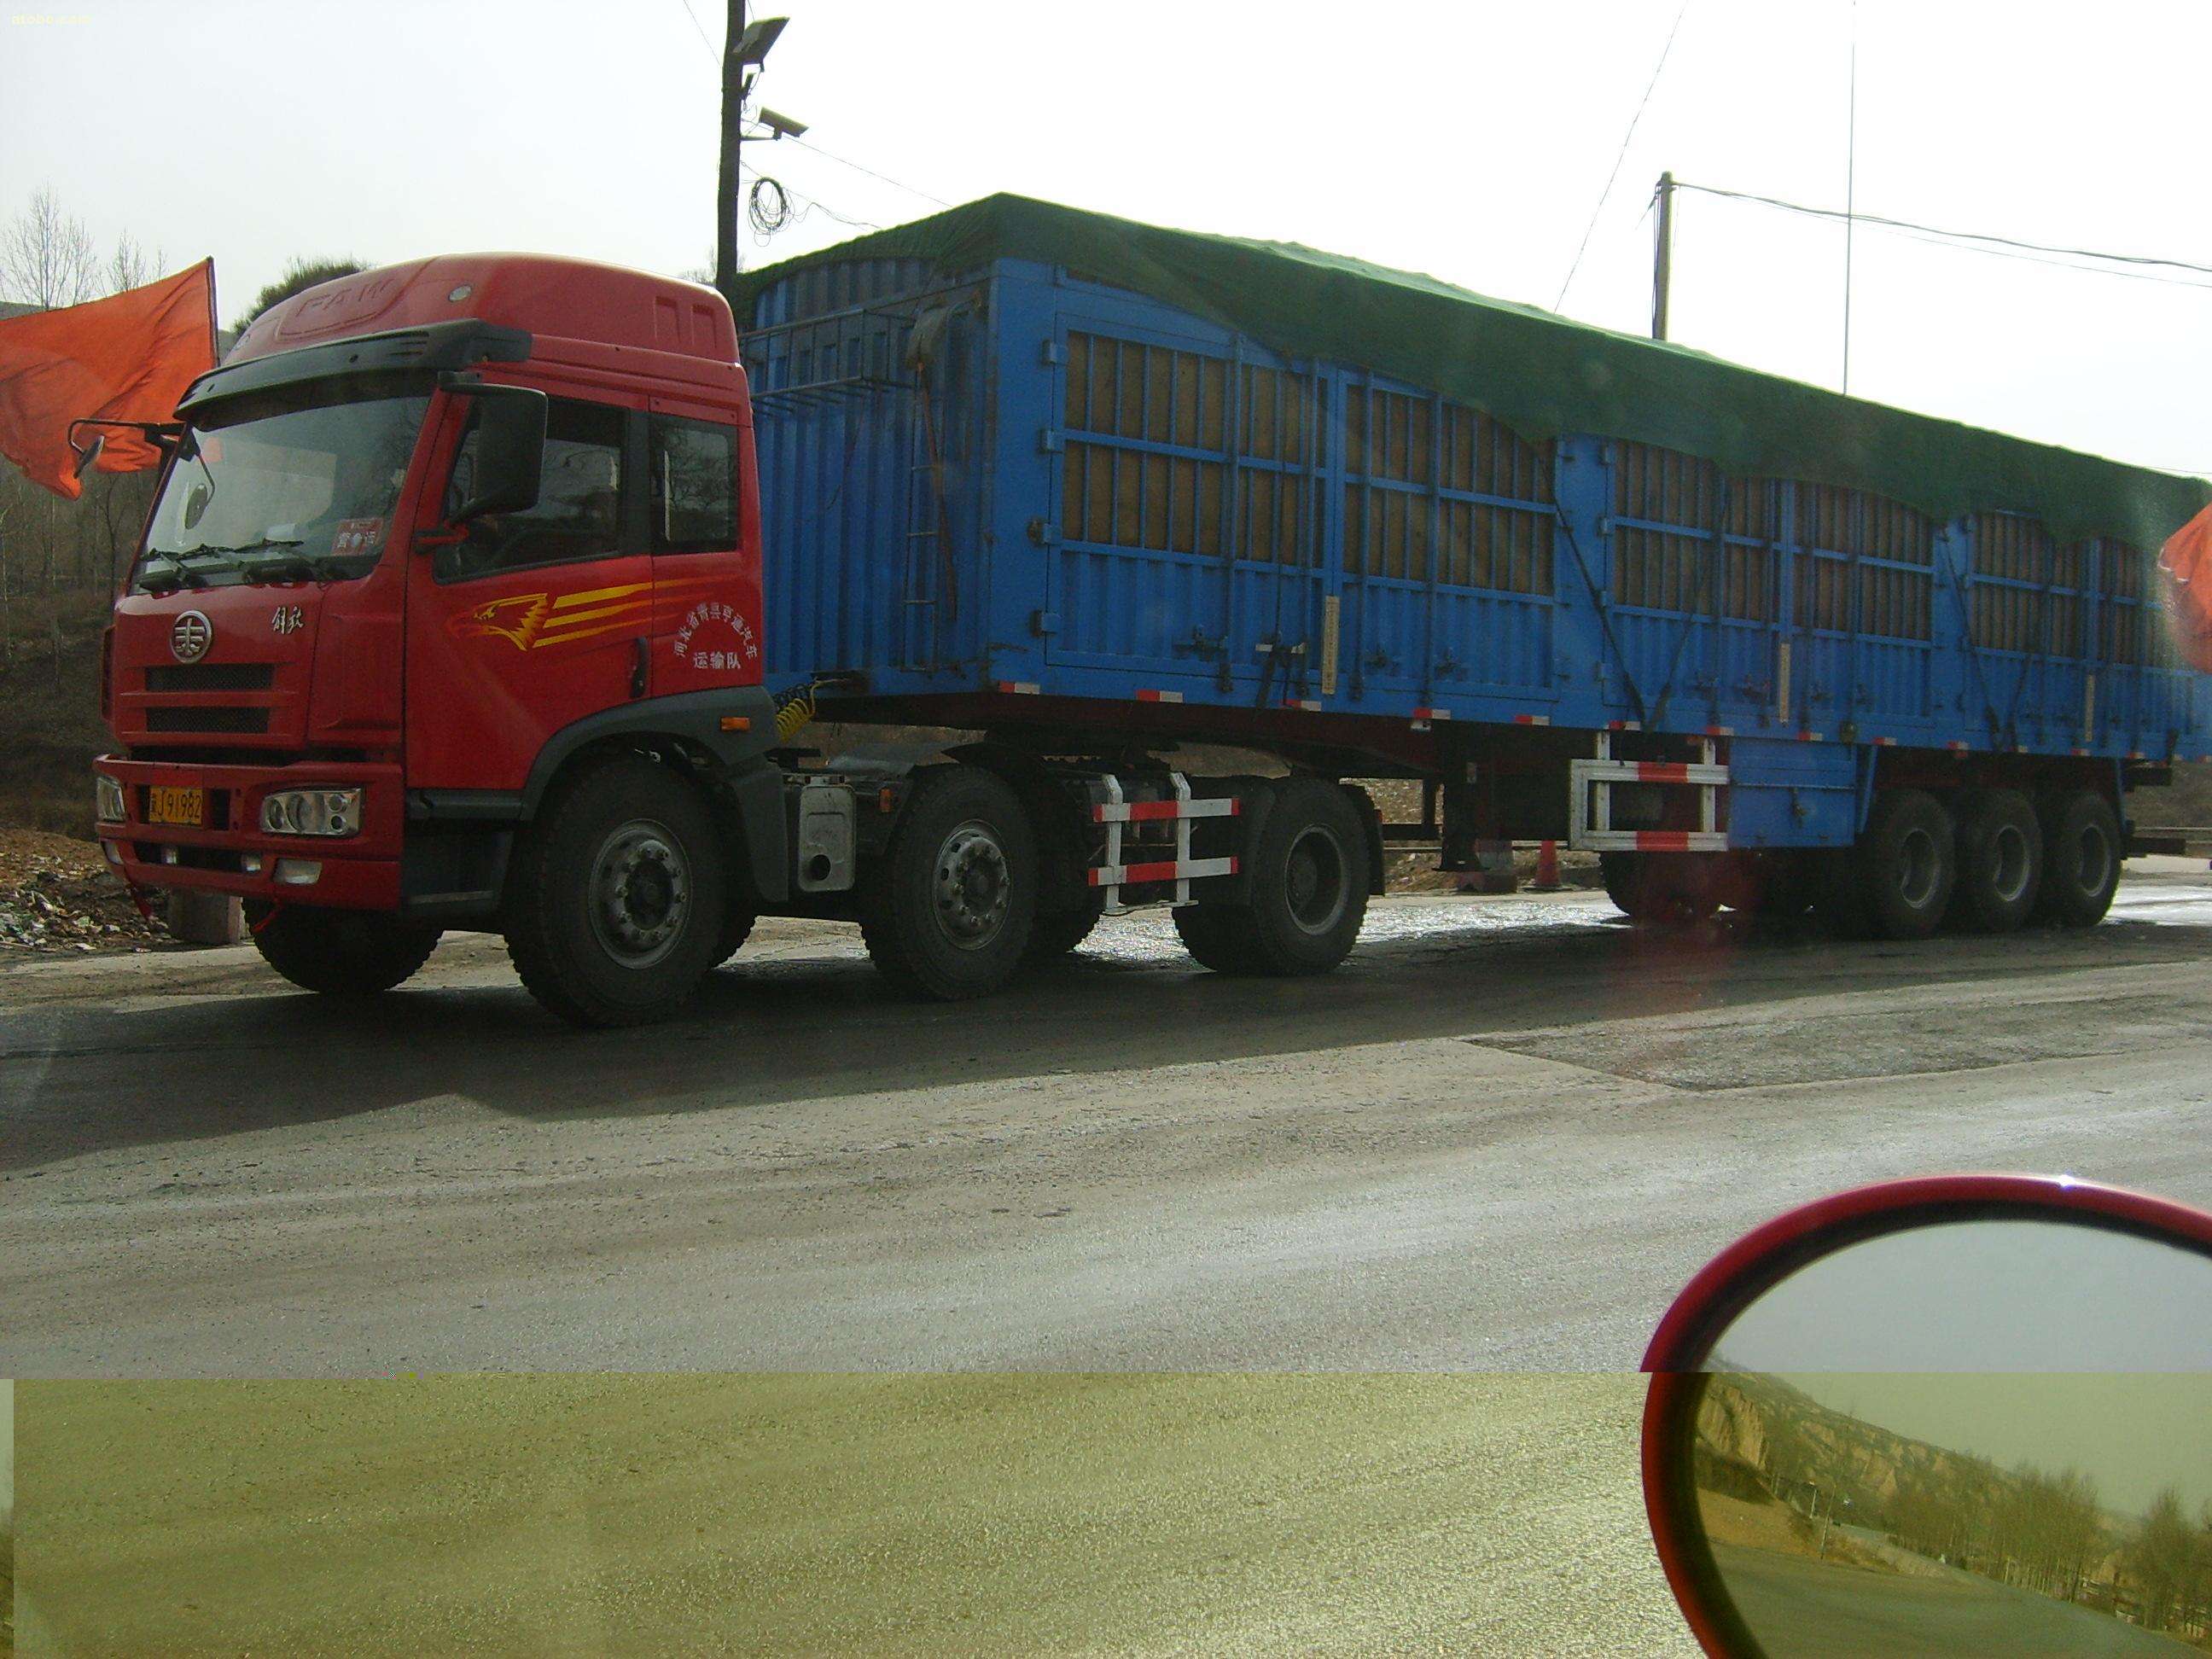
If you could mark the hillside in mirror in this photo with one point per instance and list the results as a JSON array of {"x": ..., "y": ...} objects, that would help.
[{"x": 1923, "y": 1513}]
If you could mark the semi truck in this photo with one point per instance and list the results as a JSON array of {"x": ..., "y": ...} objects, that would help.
[{"x": 494, "y": 593}]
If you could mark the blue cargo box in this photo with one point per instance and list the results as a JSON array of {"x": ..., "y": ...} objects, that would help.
[{"x": 1014, "y": 481}]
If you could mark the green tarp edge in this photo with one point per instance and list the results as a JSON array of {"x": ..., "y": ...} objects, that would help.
[{"x": 1544, "y": 375}]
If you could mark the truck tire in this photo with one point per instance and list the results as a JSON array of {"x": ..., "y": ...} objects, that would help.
[
  {"x": 2081, "y": 860},
  {"x": 616, "y": 903},
  {"x": 2000, "y": 862},
  {"x": 339, "y": 953},
  {"x": 1215, "y": 936},
  {"x": 1308, "y": 892},
  {"x": 1662, "y": 888},
  {"x": 953, "y": 902},
  {"x": 1057, "y": 934},
  {"x": 1904, "y": 867}
]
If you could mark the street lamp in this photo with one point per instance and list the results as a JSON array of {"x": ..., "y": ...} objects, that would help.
[{"x": 753, "y": 46}]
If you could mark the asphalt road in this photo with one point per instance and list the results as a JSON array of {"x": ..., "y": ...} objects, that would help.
[
  {"x": 1805, "y": 1610},
  {"x": 992, "y": 1513},
  {"x": 1500, "y": 1138}
]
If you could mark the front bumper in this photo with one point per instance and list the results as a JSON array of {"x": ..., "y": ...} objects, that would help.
[{"x": 358, "y": 873}]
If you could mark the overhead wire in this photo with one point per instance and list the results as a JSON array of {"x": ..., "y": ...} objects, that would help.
[
  {"x": 1952, "y": 236},
  {"x": 1613, "y": 177}
]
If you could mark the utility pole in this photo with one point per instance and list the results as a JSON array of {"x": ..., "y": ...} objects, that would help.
[
  {"x": 728, "y": 185},
  {"x": 1662, "y": 257},
  {"x": 1851, "y": 191}
]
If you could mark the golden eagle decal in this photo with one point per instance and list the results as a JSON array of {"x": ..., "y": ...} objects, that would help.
[{"x": 530, "y": 621}]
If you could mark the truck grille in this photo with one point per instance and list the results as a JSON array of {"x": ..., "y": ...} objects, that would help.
[
  {"x": 212, "y": 677},
  {"x": 207, "y": 719}
]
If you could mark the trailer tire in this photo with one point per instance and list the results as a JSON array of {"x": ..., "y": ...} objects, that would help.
[
  {"x": 2000, "y": 862},
  {"x": 1906, "y": 864},
  {"x": 1308, "y": 890},
  {"x": 617, "y": 904},
  {"x": 953, "y": 903},
  {"x": 1055, "y": 935},
  {"x": 1661, "y": 888},
  {"x": 339, "y": 953},
  {"x": 1216, "y": 935},
  {"x": 2081, "y": 860}
]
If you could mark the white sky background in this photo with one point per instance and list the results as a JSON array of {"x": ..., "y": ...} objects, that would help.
[{"x": 1466, "y": 140}]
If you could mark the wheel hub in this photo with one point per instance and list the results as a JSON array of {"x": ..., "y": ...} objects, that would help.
[
  {"x": 973, "y": 885},
  {"x": 641, "y": 894},
  {"x": 1313, "y": 881}
]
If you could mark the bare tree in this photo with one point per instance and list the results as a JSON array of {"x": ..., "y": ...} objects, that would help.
[
  {"x": 131, "y": 265},
  {"x": 46, "y": 256}
]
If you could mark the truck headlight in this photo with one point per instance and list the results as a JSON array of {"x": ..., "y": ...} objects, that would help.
[
  {"x": 312, "y": 812},
  {"x": 108, "y": 799}
]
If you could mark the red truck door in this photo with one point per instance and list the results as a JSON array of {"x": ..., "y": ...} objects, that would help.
[
  {"x": 536, "y": 619},
  {"x": 706, "y": 570}
]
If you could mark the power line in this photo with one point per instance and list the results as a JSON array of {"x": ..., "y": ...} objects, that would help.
[
  {"x": 871, "y": 171},
  {"x": 1952, "y": 235},
  {"x": 694, "y": 16},
  {"x": 1612, "y": 177}
]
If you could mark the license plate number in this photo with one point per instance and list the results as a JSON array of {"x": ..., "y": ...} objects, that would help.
[{"x": 167, "y": 805}]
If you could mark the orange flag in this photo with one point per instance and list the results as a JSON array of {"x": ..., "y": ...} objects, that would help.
[
  {"x": 128, "y": 357},
  {"x": 2186, "y": 558}
]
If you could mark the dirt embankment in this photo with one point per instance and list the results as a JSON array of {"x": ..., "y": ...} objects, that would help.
[{"x": 57, "y": 895}]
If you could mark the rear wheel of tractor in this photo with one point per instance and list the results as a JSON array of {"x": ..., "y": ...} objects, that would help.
[
  {"x": 2000, "y": 862},
  {"x": 339, "y": 953},
  {"x": 618, "y": 901},
  {"x": 737, "y": 927},
  {"x": 954, "y": 901},
  {"x": 2081, "y": 860},
  {"x": 1308, "y": 892},
  {"x": 1904, "y": 865},
  {"x": 1053, "y": 936}
]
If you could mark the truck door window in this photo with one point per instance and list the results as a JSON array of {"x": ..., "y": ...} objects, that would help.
[
  {"x": 580, "y": 512},
  {"x": 695, "y": 485}
]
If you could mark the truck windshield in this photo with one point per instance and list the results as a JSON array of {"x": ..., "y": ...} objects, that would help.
[{"x": 296, "y": 485}]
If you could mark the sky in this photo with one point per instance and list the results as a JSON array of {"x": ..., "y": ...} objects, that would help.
[{"x": 1471, "y": 141}]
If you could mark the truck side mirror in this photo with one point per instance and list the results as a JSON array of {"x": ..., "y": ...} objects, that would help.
[{"x": 509, "y": 432}]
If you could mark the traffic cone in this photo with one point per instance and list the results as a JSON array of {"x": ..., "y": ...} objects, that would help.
[{"x": 1547, "y": 868}]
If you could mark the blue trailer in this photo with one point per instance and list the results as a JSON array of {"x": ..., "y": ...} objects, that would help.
[{"x": 1099, "y": 490}]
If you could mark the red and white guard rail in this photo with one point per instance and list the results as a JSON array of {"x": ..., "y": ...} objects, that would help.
[
  {"x": 1111, "y": 874},
  {"x": 1590, "y": 817}
]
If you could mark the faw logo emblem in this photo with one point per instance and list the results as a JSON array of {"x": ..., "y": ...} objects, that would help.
[{"x": 536, "y": 622}]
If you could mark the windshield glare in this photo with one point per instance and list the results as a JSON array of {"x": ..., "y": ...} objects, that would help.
[{"x": 282, "y": 490}]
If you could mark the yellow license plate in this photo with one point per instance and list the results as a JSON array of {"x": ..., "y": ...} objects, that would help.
[{"x": 165, "y": 804}]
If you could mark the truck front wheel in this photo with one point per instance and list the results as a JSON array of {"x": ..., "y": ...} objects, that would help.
[
  {"x": 617, "y": 900},
  {"x": 953, "y": 899},
  {"x": 340, "y": 953}
]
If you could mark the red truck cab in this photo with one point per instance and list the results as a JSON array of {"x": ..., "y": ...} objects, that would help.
[{"x": 341, "y": 674}]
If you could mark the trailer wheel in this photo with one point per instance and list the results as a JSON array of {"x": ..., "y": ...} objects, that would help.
[
  {"x": 954, "y": 902},
  {"x": 2081, "y": 860},
  {"x": 1053, "y": 936},
  {"x": 339, "y": 953},
  {"x": 2000, "y": 862},
  {"x": 1309, "y": 891},
  {"x": 1904, "y": 865},
  {"x": 1664, "y": 889},
  {"x": 618, "y": 899},
  {"x": 1215, "y": 935}
]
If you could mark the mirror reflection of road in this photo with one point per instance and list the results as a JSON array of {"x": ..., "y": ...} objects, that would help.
[
  {"x": 1801, "y": 1608},
  {"x": 1502, "y": 1137}
]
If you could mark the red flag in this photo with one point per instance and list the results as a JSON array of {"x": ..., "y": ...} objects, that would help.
[
  {"x": 2186, "y": 558},
  {"x": 128, "y": 357}
]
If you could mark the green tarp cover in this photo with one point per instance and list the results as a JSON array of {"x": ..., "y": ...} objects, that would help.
[{"x": 1543, "y": 374}]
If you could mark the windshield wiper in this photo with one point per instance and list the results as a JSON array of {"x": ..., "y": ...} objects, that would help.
[
  {"x": 174, "y": 577},
  {"x": 299, "y": 567}
]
